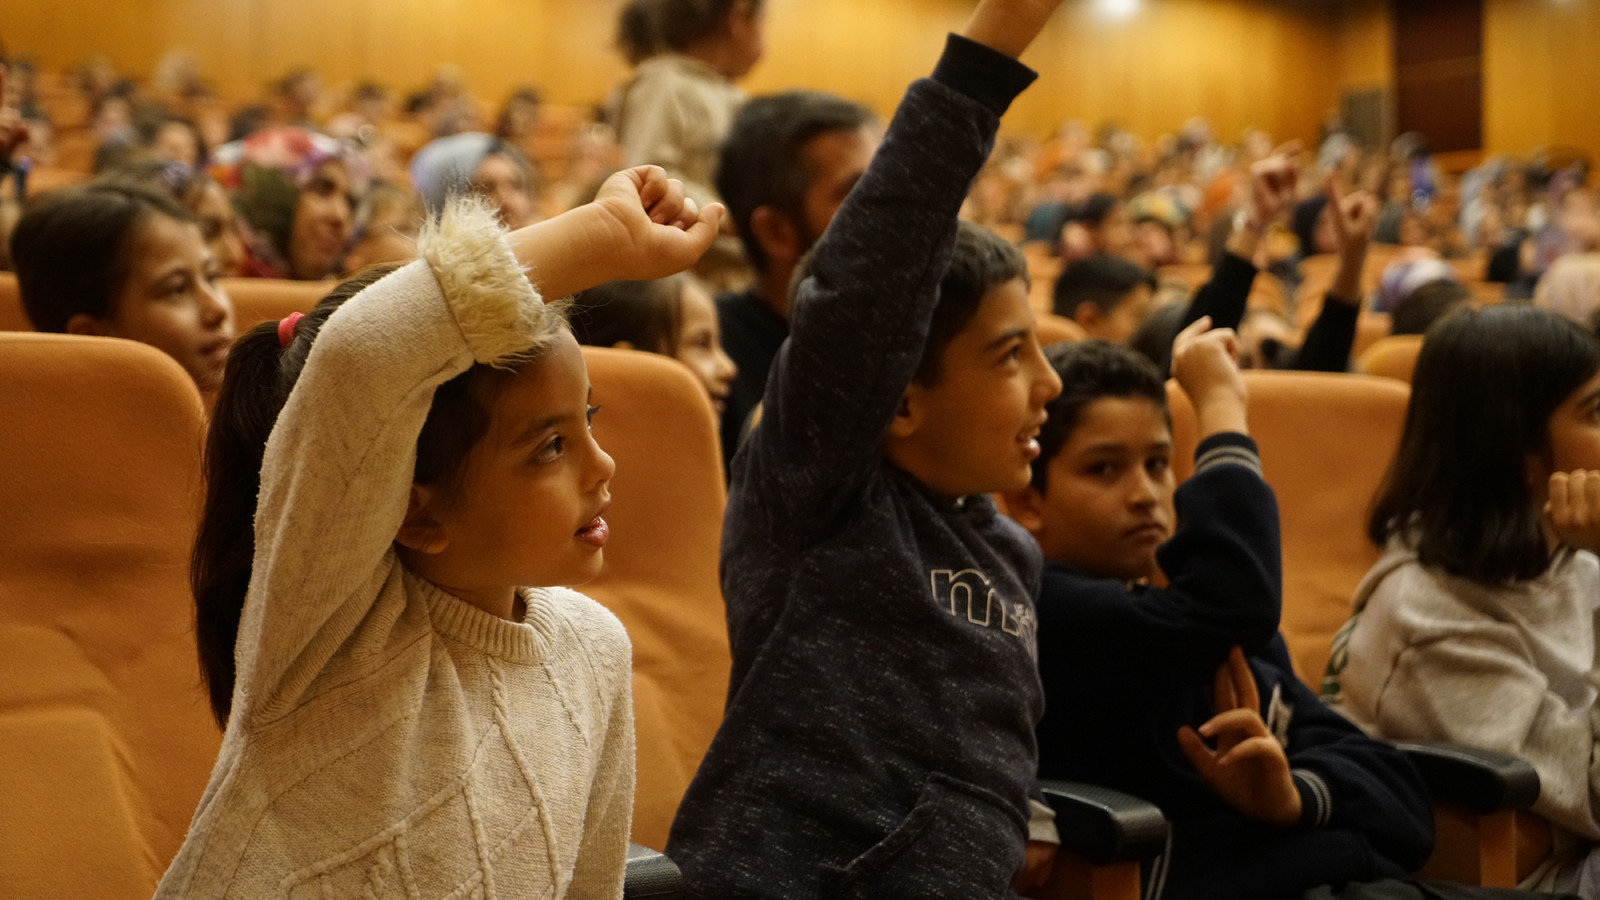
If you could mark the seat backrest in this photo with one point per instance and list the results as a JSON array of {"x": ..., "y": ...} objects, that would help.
[
  {"x": 257, "y": 300},
  {"x": 1326, "y": 441},
  {"x": 106, "y": 738},
  {"x": 1393, "y": 357},
  {"x": 660, "y": 576},
  {"x": 1054, "y": 329},
  {"x": 12, "y": 315}
]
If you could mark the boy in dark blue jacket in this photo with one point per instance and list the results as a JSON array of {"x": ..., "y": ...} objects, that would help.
[
  {"x": 879, "y": 740},
  {"x": 1184, "y": 695}
]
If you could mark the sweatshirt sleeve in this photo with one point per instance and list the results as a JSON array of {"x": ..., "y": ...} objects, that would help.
[
  {"x": 1473, "y": 684},
  {"x": 338, "y": 466},
  {"x": 1348, "y": 780},
  {"x": 1328, "y": 341},
  {"x": 1225, "y": 296},
  {"x": 1224, "y": 580},
  {"x": 861, "y": 315}
]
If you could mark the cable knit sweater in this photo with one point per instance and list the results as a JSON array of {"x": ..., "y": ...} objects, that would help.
[
  {"x": 389, "y": 740},
  {"x": 1430, "y": 656}
]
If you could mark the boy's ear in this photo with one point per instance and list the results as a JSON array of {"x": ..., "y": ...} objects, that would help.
[
  {"x": 1026, "y": 507},
  {"x": 775, "y": 234},
  {"x": 421, "y": 531},
  {"x": 86, "y": 325},
  {"x": 908, "y": 415}
]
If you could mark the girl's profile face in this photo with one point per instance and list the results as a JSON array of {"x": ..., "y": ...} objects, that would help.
[
  {"x": 527, "y": 509},
  {"x": 501, "y": 181},
  {"x": 700, "y": 347},
  {"x": 220, "y": 228},
  {"x": 1574, "y": 433},
  {"x": 322, "y": 223},
  {"x": 170, "y": 299}
]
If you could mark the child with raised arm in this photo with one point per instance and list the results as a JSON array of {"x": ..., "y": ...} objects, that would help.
[
  {"x": 415, "y": 705},
  {"x": 1183, "y": 694},
  {"x": 878, "y": 740}
]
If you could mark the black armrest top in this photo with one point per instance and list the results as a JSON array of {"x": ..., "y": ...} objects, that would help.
[
  {"x": 1103, "y": 825},
  {"x": 1481, "y": 780},
  {"x": 651, "y": 876}
]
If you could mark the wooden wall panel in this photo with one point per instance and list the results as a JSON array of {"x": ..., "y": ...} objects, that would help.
[
  {"x": 1242, "y": 63},
  {"x": 1540, "y": 75}
]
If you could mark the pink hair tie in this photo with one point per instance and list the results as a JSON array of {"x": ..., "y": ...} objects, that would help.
[{"x": 286, "y": 328}]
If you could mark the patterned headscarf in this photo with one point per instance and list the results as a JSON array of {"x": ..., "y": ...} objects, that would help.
[{"x": 264, "y": 174}]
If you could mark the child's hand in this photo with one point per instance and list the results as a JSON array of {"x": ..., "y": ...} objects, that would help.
[
  {"x": 1206, "y": 363},
  {"x": 1248, "y": 770},
  {"x": 1354, "y": 217},
  {"x": 648, "y": 227},
  {"x": 1036, "y": 867},
  {"x": 1272, "y": 184},
  {"x": 1272, "y": 189},
  {"x": 1009, "y": 26},
  {"x": 1574, "y": 508}
]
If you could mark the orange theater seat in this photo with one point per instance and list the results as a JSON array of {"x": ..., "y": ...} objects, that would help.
[
  {"x": 257, "y": 300},
  {"x": 1393, "y": 357},
  {"x": 12, "y": 316},
  {"x": 1326, "y": 441},
  {"x": 660, "y": 575},
  {"x": 106, "y": 740}
]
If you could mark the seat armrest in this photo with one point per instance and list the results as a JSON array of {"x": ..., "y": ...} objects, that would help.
[
  {"x": 651, "y": 876},
  {"x": 1105, "y": 826},
  {"x": 1483, "y": 781}
]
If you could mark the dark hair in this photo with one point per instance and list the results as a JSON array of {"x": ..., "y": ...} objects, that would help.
[
  {"x": 1093, "y": 211},
  {"x": 1092, "y": 370},
  {"x": 1486, "y": 384},
  {"x": 1102, "y": 279},
  {"x": 255, "y": 385},
  {"x": 1153, "y": 338},
  {"x": 762, "y": 160},
  {"x": 185, "y": 183},
  {"x": 981, "y": 262},
  {"x": 637, "y": 36},
  {"x": 1426, "y": 304},
  {"x": 72, "y": 248},
  {"x": 680, "y": 23},
  {"x": 646, "y": 314},
  {"x": 149, "y": 129}
]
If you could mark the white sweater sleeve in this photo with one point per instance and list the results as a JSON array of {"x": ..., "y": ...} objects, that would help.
[
  {"x": 338, "y": 466},
  {"x": 1477, "y": 687}
]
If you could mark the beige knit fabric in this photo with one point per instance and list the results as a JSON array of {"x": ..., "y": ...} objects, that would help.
[{"x": 389, "y": 740}]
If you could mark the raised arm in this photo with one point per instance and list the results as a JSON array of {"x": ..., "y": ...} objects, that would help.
[
  {"x": 1223, "y": 562},
  {"x": 338, "y": 467},
  {"x": 1328, "y": 342},
  {"x": 1225, "y": 297},
  {"x": 861, "y": 314}
]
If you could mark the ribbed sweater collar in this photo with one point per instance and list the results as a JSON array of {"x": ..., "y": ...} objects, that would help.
[{"x": 529, "y": 641}]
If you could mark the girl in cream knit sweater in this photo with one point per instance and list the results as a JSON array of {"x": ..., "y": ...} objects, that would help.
[{"x": 413, "y": 708}]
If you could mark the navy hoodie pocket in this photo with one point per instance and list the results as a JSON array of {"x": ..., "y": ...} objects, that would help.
[{"x": 960, "y": 842}]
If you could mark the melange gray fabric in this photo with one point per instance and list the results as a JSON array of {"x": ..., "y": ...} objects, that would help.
[{"x": 879, "y": 732}]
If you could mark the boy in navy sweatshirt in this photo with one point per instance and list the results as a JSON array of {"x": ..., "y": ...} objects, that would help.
[
  {"x": 1184, "y": 695},
  {"x": 879, "y": 732}
]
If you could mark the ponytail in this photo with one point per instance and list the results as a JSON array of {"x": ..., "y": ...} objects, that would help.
[{"x": 256, "y": 383}]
